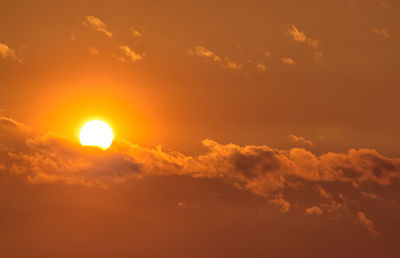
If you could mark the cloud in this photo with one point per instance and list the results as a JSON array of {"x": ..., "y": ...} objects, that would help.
[
  {"x": 381, "y": 31},
  {"x": 130, "y": 53},
  {"x": 137, "y": 31},
  {"x": 261, "y": 67},
  {"x": 322, "y": 192},
  {"x": 371, "y": 196},
  {"x": 288, "y": 60},
  {"x": 300, "y": 36},
  {"x": 233, "y": 64},
  {"x": 368, "y": 224},
  {"x": 51, "y": 158},
  {"x": 318, "y": 55},
  {"x": 97, "y": 25},
  {"x": 281, "y": 203},
  {"x": 204, "y": 52},
  {"x": 189, "y": 206},
  {"x": 260, "y": 169},
  {"x": 300, "y": 139},
  {"x": 263, "y": 171},
  {"x": 10, "y": 124},
  {"x": 93, "y": 51},
  {"x": 208, "y": 54},
  {"x": 7, "y": 52},
  {"x": 315, "y": 210},
  {"x": 267, "y": 54}
]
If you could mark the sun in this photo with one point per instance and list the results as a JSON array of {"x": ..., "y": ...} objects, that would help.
[{"x": 96, "y": 133}]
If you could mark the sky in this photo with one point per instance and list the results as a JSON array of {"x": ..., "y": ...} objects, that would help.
[{"x": 242, "y": 128}]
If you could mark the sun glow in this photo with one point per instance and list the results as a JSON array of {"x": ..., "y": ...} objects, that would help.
[{"x": 96, "y": 133}]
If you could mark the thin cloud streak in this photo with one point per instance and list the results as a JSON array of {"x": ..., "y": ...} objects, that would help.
[
  {"x": 97, "y": 24},
  {"x": 381, "y": 31}
]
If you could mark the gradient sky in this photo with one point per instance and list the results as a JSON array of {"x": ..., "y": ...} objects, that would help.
[{"x": 243, "y": 128}]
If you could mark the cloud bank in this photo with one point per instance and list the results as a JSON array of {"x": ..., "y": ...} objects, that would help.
[{"x": 264, "y": 171}]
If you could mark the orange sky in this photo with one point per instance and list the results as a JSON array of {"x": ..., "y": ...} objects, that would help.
[{"x": 277, "y": 121}]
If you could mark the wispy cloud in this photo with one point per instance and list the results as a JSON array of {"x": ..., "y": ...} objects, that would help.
[
  {"x": 381, "y": 31},
  {"x": 261, "y": 67},
  {"x": 97, "y": 24},
  {"x": 371, "y": 196},
  {"x": 300, "y": 139},
  {"x": 315, "y": 210},
  {"x": 267, "y": 54},
  {"x": 138, "y": 30},
  {"x": 233, "y": 65},
  {"x": 204, "y": 52},
  {"x": 368, "y": 224},
  {"x": 8, "y": 124},
  {"x": 93, "y": 51},
  {"x": 225, "y": 62},
  {"x": 288, "y": 60},
  {"x": 318, "y": 55},
  {"x": 300, "y": 36}
]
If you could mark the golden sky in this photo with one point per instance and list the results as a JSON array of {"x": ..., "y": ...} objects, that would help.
[{"x": 242, "y": 128}]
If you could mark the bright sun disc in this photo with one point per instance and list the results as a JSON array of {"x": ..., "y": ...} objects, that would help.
[{"x": 96, "y": 133}]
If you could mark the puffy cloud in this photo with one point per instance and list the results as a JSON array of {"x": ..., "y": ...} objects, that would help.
[
  {"x": 51, "y": 158},
  {"x": 7, "y": 52},
  {"x": 259, "y": 169},
  {"x": 300, "y": 36},
  {"x": 281, "y": 203},
  {"x": 97, "y": 24},
  {"x": 233, "y": 64},
  {"x": 130, "y": 53},
  {"x": 300, "y": 139},
  {"x": 381, "y": 31},
  {"x": 315, "y": 210},
  {"x": 288, "y": 60},
  {"x": 368, "y": 224}
]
